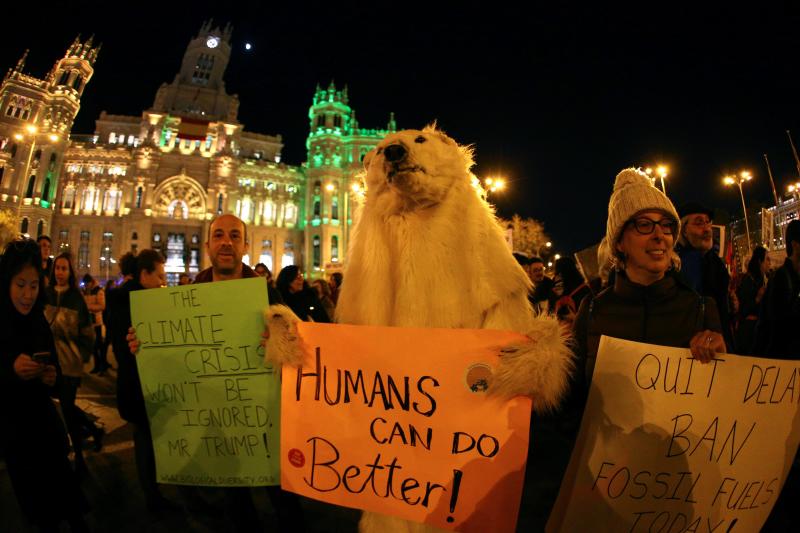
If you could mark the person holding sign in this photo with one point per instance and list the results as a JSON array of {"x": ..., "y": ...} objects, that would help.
[
  {"x": 148, "y": 274},
  {"x": 226, "y": 245},
  {"x": 648, "y": 301},
  {"x": 32, "y": 434}
]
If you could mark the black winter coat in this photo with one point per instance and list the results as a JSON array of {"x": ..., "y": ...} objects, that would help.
[
  {"x": 667, "y": 313},
  {"x": 130, "y": 400},
  {"x": 31, "y": 431}
]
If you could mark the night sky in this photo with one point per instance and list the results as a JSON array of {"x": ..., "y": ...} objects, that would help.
[{"x": 558, "y": 99}]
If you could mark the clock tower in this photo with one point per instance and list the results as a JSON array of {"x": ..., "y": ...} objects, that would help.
[{"x": 207, "y": 57}]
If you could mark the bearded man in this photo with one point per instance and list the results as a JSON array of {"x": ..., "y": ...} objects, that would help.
[{"x": 701, "y": 267}]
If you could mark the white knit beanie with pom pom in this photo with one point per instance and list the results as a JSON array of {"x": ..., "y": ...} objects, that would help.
[{"x": 634, "y": 193}]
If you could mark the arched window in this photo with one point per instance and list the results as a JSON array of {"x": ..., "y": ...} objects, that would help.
[
  {"x": 288, "y": 254},
  {"x": 76, "y": 83},
  {"x": 266, "y": 253},
  {"x": 69, "y": 197},
  {"x": 317, "y": 207},
  {"x": 51, "y": 166},
  {"x": 134, "y": 236},
  {"x": 83, "y": 251},
  {"x": 269, "y": 212},
  {"x": 2, "y": 173},
  {"x": 335, "y": 206},
  {"x": 139, "y": 192},
  {"x": 31, "y": 185},
  {"x": 46, "y": 190},
  {"x": 317, "y": 251},
  {"x": 219, "y": 204},
  {"x": 334, "y": 249},
  {"x": 39, "y": 228},
  {"x": 23, "y": 228},
  {"x": 13, "y": 150}
]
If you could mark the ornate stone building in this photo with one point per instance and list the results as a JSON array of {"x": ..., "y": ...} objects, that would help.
[{"x": 156, "y": 180}]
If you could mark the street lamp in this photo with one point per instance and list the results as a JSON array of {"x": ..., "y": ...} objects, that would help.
[
  {"x": 794, "y": 188},
  {"x": 494, "y": 184},
  {"x": 661, "y": 171},
  {"x": 744, "y": 176},
  {"x": 32, "y": 131}
]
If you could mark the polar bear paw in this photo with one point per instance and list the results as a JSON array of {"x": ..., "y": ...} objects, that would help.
[
  {"x": 284, "y": 346},
  {"x": 539, "y": 368}
]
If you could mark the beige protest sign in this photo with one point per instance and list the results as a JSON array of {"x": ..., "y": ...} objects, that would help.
[{"x": 669, "y": 444}]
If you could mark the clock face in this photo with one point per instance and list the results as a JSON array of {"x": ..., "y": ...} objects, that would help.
[{"x": 212, "y": 42}]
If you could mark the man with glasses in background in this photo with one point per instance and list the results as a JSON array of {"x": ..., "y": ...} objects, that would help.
[{"x": 701, "y": 267}]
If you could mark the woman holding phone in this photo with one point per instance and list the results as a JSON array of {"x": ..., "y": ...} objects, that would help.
[{"x": 32, "y": 434}]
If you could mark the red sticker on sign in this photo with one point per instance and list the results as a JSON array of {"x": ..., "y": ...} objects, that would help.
[{"x": 296, "y": 457}]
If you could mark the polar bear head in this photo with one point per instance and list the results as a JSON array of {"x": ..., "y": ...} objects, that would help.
[{"x": 415, "y": 169}]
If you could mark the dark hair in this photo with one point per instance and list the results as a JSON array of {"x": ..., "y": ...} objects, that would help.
[
  {"x": 87, "y": 278},
  {"x": 71, "y": 281},
  {"x": 21, "y": 253},
  {"x": 285, "y": 278},
  {"x": 146, "y": 261},
  {"x": 567, "y": 268},
  {"x": 41, "y": 238},
  {"x": 339, "y": 277},
  {"x": 754, "y": 265},
  {"x": 792, "y": 235},
  {"x": 535, "y": 259},
  {"x": 269, "y": 272},
  {"x": 127, "y": 264}
]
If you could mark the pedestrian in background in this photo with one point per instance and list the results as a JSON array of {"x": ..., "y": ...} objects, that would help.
[
  {"x": 749, "y": 294},
  {"x": 299, "y": 297},
  {"x": 701, "y": 267},
  {"x": 323, "y": 291},
  {"x": 95, "y": 298},
  {"x": 46, "y": 248},
  {"x": 570, "y": 288},
  {"x": 335, "y": 281},
  {"x": 148, "y": 274},
  {"x": 32, "y": 435},
  {"x": 272, "y": 293},
  {"x": 542, "y": 293},
  {"x": 71, "y": 324},
  {"x": 777, "y": 334}
]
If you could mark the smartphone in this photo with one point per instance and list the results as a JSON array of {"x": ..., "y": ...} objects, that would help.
[{"x": 43, "y": 358}]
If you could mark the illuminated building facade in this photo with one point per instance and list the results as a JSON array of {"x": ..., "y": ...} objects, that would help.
[{"x": 157, "y": 180}]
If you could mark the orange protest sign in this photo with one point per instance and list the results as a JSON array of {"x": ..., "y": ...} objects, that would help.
[{"x": 396, "y": 421}]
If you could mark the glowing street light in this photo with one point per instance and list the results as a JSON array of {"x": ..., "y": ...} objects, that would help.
[
  {"x": 662, "y": 171},
  {"x": 494, "y": 184},
  {"x": 743, "y": 177}
]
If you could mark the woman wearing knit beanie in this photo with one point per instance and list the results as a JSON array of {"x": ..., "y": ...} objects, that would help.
[{"x": 648, "y": 302}]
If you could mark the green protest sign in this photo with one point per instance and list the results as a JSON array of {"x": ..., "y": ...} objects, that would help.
[{"x": 214, "y": 408}]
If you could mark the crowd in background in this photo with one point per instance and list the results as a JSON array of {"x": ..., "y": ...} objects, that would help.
[{"x": 661, "y": 282}]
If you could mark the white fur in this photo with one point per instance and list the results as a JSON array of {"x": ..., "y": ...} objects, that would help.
[
  {"x": 283, "y": 346},
  {"x": 426, "y": 251}
]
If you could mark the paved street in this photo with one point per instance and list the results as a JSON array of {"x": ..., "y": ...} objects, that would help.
[{"x": 118, "y": 505}]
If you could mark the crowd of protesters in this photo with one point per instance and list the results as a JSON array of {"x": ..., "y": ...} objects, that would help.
[{"x": 662, "y": 284}]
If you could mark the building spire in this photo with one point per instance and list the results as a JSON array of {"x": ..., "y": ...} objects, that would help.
[{"x": 21, "y": 62}]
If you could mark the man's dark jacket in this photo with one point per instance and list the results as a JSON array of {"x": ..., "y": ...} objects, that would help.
[{"x": 713, "y": 283}]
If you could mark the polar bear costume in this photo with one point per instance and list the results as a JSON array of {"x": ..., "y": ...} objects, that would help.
[{"x": 427, "y": 251}]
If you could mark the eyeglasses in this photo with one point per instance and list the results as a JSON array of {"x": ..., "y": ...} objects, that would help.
[{"x": 646, "y": 226}]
